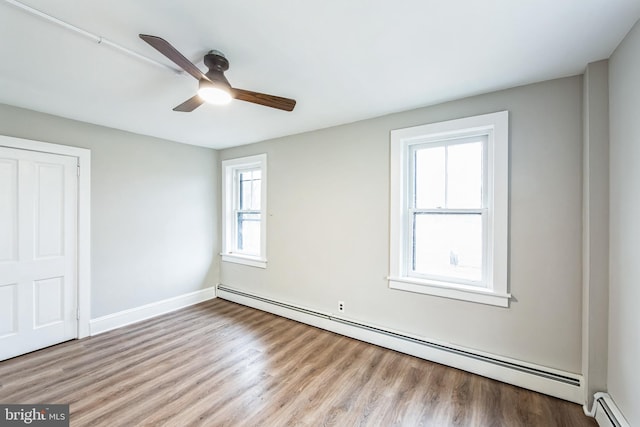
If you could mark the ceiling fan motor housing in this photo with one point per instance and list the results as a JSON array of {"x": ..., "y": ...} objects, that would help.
[{"x": 217, "y": 64}]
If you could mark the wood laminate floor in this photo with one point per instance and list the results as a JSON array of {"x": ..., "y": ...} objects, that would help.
[{"x": 222, "y": 364}]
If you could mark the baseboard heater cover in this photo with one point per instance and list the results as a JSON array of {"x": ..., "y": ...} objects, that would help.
[
  {"x": 568, "y": 382},
  {"x": 606, "y": 412}
]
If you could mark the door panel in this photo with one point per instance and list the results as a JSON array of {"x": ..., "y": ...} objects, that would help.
[
  {"x": 8, "y": 209},
  {"x": 38, "y": 235},
  {"x": 49, "y": 210},
  {"x": 49, "y": 301},
  {"x": 8, "y": 309}
]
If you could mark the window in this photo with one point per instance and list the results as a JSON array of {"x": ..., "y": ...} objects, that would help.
[
  {"x": 244, "y": 184},
  {"x": 449, "y": 209}
]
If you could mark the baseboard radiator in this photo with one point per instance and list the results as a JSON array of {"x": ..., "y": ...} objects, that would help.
[
  {"x": 545, "y": 380},
  {"x": 606, "y": 412}
]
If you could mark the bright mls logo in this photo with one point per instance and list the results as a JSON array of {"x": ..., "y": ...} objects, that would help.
[{"x": 34, "y": 415}]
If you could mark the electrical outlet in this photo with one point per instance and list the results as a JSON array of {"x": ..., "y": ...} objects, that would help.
[{"x": 341, "y": 306}]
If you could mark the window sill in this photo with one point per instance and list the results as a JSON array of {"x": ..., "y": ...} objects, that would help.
[
  {"x": 245, "y": 260},
  {"x": 446, "y": 290}
]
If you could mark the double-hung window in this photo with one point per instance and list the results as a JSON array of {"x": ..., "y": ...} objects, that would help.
[
  {"x": 244, "y": 210},
  {"x": 449, "y": 209}
]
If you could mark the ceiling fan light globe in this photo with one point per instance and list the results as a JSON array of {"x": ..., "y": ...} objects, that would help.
[{"x": 214, "y": 95}]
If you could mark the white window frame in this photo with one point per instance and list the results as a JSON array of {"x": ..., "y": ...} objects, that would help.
[
  {"x": 230, "y": 196},
  {"x": 496, "y": 175}
]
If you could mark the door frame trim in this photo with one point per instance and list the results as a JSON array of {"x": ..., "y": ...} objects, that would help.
[{"x": 83, "y": 156}]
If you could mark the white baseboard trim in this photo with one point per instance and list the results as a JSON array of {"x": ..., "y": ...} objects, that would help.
[
  {"x": 133, "y": 315},
  {"x": 561, "y": 384},
  {"x": 606, "y": 412}
]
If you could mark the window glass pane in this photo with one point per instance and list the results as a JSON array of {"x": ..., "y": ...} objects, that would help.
[
  {"x": 249, "y": 189},
  {"x": 464, "y": 176},
  {"x": 249, "y": 233},
  {"x": 448, "y": 245},
  {"x": 255, "y": 190},
  {"x": 244, "y": 188},
  {"x": 430, "y": 178}
]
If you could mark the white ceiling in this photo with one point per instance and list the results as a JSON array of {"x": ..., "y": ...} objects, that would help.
[{"x": 342, "y": 60}]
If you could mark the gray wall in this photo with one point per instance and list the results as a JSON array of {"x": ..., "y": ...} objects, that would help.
[
  {"x": 153, "y": 210},
  {"x": 328, "y": 228},
  {"x": 624, "y": 317}
]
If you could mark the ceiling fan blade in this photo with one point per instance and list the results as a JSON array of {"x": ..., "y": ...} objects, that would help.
[
  {"x": 190, "y": 104},
  {"x": 278, "y": 102},
  {"x": 163, "y": 46}
]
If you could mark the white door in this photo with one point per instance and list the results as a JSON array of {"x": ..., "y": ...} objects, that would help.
[{"x": 38, "y": 241}]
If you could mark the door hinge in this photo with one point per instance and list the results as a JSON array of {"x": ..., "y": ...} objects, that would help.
[
  {"x": 78, "y": 170},
  {"x": 78, "y": 314}
]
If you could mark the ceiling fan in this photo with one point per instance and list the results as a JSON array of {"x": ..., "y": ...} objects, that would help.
[{"x": 213, "y": 86}]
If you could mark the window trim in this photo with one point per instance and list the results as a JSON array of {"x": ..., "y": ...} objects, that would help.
[
  {"x": 230, "y": 168},
  {"x": 495, "y": 126}
]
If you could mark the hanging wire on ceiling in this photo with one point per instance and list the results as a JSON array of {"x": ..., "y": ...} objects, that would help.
[{"x": 98, "y": 39}]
